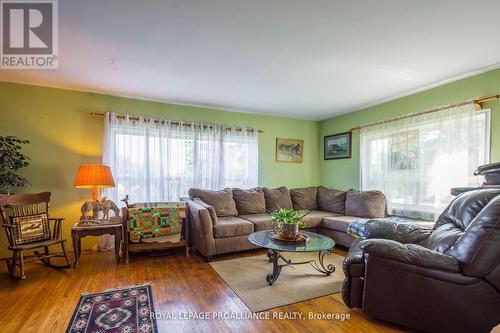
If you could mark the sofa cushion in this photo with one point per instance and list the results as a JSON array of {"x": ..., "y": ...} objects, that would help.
[
  {"x": 250, "y": 201},
  {"x": 443, "y": 238},
  {"x": 233, "y": 244},
  {"x": 332, "y": 201},
  {"x": 261, "y": 221},
  {"x": 314, "y": 218},
  {"x": 304, "y": 198},
  {"x": 277, "y": 198},
  {"x": 478, "y": 249},
  {"x": 340, "y": 238},
  {"x": 230, "y": 226},
  {"x": 339, "y": 223},
  {"x": 222, "y": 201},
  {"x": 365, "y": 203}
]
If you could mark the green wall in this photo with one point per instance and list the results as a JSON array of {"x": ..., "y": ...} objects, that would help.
[
  {"x": 344, "y": 174},
  {"x": 63, "y": 135}
]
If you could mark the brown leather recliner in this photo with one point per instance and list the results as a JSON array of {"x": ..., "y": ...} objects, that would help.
[{"x": 444, "y": 279}]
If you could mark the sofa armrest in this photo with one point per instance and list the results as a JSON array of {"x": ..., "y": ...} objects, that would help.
[
  {"x": 201, "y": 226},
  {"x": 410, "y": 254},
  {"x": 211, "y": 209},
  {"x": 400, "y": 232}
]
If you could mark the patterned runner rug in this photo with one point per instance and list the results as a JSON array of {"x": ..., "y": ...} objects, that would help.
[{"x": 126, "y": 309}]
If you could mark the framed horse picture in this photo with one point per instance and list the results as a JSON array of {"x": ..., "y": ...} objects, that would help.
[
  {"x": 289, "y": 150},
  {"x": 337, "y": 146}
]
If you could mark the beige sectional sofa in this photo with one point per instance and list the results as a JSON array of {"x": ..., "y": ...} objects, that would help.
[{"x": 220, "y": 221}]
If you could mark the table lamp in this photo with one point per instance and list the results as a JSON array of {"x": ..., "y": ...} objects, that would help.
[{"x": 95, "y": 177}]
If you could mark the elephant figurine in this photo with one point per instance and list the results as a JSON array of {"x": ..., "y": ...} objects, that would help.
[{"x": 103, "y": 205}]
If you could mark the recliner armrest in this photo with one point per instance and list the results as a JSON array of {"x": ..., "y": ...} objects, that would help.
[
  {"x": 410, "y": 254},
  {"x": 400, "y": 232},
  {"x": 354, "y": 271},
  {"x": 354, "y": 256}
]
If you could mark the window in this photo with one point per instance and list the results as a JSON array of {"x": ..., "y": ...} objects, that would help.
[
  {"x": 417, "y": 160},
  {"x": 159, "y": 161}
]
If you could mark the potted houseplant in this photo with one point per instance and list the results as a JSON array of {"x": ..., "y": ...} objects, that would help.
[
  {"x": 11, "y": 160},
  {"x": 286, "y": 223}
]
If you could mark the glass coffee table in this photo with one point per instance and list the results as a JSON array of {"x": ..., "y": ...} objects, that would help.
[{"x": 316, "y": 243}]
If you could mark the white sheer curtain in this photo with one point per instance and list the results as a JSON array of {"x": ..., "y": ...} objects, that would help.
[
  {"x": 415, "y": 161},
  {"x": 159, "y": 161}
]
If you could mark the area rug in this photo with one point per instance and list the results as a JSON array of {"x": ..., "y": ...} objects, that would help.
[
  {"x": 126, "y": 309},
  {"x": 247, "y": 278}
]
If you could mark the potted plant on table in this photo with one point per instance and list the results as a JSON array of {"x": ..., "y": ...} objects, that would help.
[{"x": 286, "y": 223}]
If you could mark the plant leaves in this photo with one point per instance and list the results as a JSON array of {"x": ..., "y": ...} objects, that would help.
[{"x": 11, "y": 160}]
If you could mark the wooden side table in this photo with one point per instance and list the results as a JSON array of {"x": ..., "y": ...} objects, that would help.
[{"x": 78, "y": 232}]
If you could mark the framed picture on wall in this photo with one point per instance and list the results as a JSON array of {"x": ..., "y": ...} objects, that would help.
[
  {"x": 337, "y": 146},
  {"x": 289, "y": 150}
]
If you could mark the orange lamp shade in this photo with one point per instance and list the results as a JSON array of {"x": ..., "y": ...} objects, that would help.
[{"x": 94, "y": 176}]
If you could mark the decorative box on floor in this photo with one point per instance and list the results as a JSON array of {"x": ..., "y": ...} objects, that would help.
[{"x": 155, "y": 226}]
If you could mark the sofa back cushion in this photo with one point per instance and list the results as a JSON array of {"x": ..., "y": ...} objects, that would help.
[
  {"x": 464, "y": 208},
  {"x": 304, "y": 198},
  {"x": 250, "y": 201},
  {"x": 369, "y": 204},
  {"x": 443, "y": 238},
  {"x": 222, "y": 201},
  {"x": 475, "y": 215},
  {"x": 277, "y": 198},
  {"x": 332, "y": 201}
]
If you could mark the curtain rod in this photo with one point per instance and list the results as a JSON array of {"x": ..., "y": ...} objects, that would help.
[
  {"x": 477, "y": 102},
  {"x": 120, "y": 116}
]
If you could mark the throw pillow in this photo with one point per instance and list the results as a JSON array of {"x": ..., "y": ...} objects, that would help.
[
  {"x": 31, "y": 228},
  {"x": 370, "y": 204},
  {"x": 277, "y": 198},
  {"x": 250, "y": 201},
  {"x": 304, "y": 198},
  {"x": 222, "y": 201},
  {"x": 332, "y": 201}
]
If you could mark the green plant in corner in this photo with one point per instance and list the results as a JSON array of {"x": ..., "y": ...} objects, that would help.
[{"x": 11, "y": 160}]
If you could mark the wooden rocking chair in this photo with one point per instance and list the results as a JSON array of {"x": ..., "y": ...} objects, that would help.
[{"x": 27, "y": 225}]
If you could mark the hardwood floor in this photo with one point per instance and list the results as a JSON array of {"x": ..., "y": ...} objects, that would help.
[{"x": 46, "y": 299}]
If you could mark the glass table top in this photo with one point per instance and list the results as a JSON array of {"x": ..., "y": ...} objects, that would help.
[{"x": 316, "y": 242}]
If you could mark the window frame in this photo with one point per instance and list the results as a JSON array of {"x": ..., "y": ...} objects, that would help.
[{"x": 424, "y": 208}]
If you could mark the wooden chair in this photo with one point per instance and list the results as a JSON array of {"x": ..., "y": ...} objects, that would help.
[{"x": 18, "y": 207}]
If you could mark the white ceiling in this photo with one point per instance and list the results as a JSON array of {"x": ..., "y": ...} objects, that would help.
[{"x": 303, "y": 59}]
